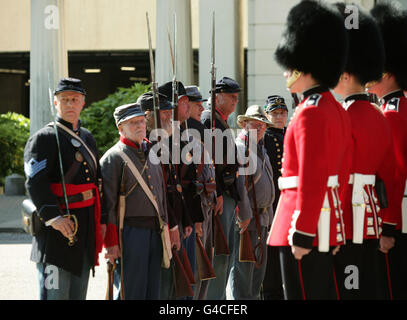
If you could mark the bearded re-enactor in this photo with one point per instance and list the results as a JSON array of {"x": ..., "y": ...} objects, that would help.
[
  {"x": 69, "y": 264},
  {"x": 308, "y": 223},
  {"x": 141, "y": 249}
]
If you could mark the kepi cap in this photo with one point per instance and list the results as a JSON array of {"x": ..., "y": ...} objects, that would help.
[
  {"x": 70, "y": 84},
  {"x": 166, "y": 90},
  {"x": 146, "y": 102},
  {"x": 193, "y": 94},
  {"x": 227, "y": 85},
  {"x": 126, "y": 112},
  {"x": 275, "y": 102}
]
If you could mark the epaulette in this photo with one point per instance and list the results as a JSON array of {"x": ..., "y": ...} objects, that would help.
[
  {"x": 393, "y": 105},
  {"x": 313, "y": 100}
]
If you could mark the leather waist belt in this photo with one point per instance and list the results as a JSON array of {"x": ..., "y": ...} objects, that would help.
[
  {"x": 292, "y": 182},
  {"x": 79, "y": 197}
]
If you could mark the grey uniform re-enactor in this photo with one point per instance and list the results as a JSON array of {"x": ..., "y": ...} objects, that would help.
[
  {"x": 245, "y": 279},
  {"x": 137, "y": 202},
  {"x": 142, "y": 246}
]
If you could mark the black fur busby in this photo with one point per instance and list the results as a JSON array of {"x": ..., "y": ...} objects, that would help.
[
  {"x": 365, "y": 58},
  {"x": 392, "y": 21},
  {"x": 314, "y": 41}
]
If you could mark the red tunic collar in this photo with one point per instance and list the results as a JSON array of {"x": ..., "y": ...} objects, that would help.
[{"x": 225, "y": 118}]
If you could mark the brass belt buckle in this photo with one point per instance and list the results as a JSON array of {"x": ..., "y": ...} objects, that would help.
[{"x": 87, "y": 195}]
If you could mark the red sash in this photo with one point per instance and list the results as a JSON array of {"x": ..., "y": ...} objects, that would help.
[{"x": 72, "y": 189}]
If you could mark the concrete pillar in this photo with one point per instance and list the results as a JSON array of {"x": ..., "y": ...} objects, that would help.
[
  {"x": 165, "y": 23},
  {"x": 229, "y": 54},
  {"x": 48, "y": 57},
  {"x": 266, "y": 20}
]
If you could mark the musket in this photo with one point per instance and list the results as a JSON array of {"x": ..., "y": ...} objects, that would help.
[
  {"x": 120, "y": 212},
  {"x": 72, "y": 239},
  {"x": 213, "y": 76},
  {"x": 220, "y": 243},
  {"x": 110, "y": 280},
  {"x": 183, "y": 287},
  {"x": 173, "y": 55},
  {"x": 247, "y": 253},
  {"x": 154, "y": 85},
  {"x": 186, "y": 265},
  {"x": 204, "y": 265}
]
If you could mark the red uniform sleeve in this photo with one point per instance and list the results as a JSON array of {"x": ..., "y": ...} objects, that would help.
[{"x": 111, "y": 238}]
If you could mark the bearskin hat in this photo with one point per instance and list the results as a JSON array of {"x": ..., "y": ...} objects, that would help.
[
  {"x": 365, "y": 58},
  {"x": 314, "y": 41},
  {"x": 392, "y": 21}
]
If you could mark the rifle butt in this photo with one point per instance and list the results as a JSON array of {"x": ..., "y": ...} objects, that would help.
[
  {"x": 182, "y": 286},
  {"x": 220, "y": 243},
  {"x": 246, "y": 252},
  {"x": 110, "y": 280},
  {"x": 187, "y": 266},
  {"x": 204, "y": 266}
]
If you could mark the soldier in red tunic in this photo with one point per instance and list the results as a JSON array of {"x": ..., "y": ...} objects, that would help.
[
  {"x": 357, "y": 263},
  {"x": 392, "y": 21},
  {"x": 308, "y": 224}
]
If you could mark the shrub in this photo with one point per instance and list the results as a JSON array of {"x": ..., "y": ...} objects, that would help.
[
  {"x": 98, "y": 117},
  {"x": 14, "y": 133}
]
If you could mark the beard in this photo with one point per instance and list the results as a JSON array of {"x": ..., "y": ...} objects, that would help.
[{"x": 166, "y": 124}]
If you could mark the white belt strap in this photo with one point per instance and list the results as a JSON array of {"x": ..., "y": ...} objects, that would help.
[
  {"x": 366, "y": 178},
  {"x": 358, "y": 203},
  {"x": 404, "y": 211},
  {"x": 287, "y": 182},
  {"x": 324, "y": 226},
  {"x": 324, "y": 222},
  {"x": 292, "y": 182}
]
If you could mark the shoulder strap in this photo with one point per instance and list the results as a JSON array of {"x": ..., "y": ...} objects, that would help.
[
  {"x": 70, "y": 132},
  {"x": 141, "y": 181}
]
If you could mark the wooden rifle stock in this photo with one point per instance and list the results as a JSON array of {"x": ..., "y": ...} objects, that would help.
[
  {"x": 220, "y": 242},
  {"x": 204, "y": 266},
  {"x": 182, "y": 286},
  {"x": 187, "y": 265},
  {"x": 246, "y": 252},
  {"x": 110, "y": 280}
]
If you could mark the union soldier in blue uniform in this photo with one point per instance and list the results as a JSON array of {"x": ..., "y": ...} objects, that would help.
[
  {"x": 277, "y": 113},
  {"x": 80, "y": 164}
]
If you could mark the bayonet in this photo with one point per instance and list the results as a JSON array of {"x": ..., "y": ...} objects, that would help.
[{"x": 154, "y": 85}]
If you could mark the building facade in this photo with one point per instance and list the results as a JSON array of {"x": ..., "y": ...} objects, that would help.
[{"x": 105, "y": 44}]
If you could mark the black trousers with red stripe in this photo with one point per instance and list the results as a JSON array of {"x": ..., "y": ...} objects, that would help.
[
  {"x": 359, "y": 272},
  {"x": 397, "y": 267},
  {"x": 311, "y": 278}
]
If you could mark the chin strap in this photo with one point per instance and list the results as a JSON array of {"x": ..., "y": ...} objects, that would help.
[{"x": 295, "y": 74}]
